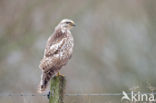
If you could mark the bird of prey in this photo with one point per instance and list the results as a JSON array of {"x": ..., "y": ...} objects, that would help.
[{"x": 57, "y": 53}]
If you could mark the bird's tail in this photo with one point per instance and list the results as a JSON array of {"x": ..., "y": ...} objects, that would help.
[{"x": 45, "y": 78}]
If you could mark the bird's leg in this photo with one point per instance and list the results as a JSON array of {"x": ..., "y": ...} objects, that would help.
[{"x": 58, "y": 74}]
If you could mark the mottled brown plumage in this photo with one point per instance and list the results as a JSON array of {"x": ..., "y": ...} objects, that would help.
[{"x": 58, "y": 51}]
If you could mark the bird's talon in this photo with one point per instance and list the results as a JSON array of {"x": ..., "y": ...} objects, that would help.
[{"x": 58, "y": 74}]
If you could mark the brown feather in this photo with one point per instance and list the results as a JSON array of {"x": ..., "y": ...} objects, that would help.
[{"x": 46, "y": 76}]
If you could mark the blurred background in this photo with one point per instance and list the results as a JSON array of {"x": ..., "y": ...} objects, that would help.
[{"x": 114, "y": 47}]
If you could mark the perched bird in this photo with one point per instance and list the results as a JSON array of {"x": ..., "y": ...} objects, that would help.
[{"x": 57, "y": 53}]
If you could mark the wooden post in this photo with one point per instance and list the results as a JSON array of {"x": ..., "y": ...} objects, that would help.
[{"x": 57, "y": 86}]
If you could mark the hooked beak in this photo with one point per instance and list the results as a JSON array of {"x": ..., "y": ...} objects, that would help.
[{"x": 73, "y": 23}]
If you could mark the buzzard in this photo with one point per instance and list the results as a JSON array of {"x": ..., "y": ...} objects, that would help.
[{"x": 58, "y": 51}]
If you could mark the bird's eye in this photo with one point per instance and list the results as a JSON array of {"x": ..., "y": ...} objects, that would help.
[{"x": 67, "y": 22}]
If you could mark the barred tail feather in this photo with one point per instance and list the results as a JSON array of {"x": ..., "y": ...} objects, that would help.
[{"x": 45, "y": 78}]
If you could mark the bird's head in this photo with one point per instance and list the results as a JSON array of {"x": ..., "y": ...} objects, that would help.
[{"x": 67, "y": 24}]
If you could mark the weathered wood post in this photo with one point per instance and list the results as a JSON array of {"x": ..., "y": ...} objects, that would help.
[{"x": 57, "y": 87}]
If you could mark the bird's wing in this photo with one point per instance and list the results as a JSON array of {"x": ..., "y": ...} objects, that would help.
[
  {"x": 53, "y": 48},
  {"x": 51, "y": 55}
]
